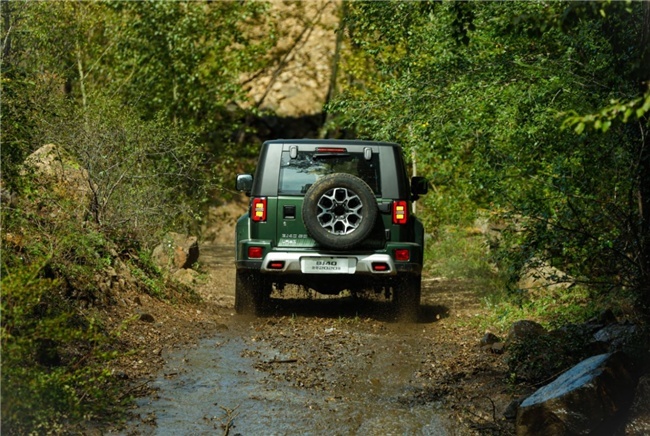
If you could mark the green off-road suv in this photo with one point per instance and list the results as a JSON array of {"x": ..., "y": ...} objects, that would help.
[{"x": 330, "y": 215}]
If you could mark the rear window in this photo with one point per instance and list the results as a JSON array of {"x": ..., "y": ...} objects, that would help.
[{"x": 299, "y": 173}]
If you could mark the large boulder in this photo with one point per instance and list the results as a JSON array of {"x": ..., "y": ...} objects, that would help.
[
  {"x": 584, "y": 400},
  {"x": 538, "y": 275},
  {"x": 638, "y": 423},
  {"x": 523, "y": 330},
  {"x": 176, "y": 251},
  {"x": 62, "y": 188},
  {"x": 614, "y": 337}
]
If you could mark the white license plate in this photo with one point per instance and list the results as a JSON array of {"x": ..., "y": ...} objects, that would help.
[{"x": 327, "y": 265}]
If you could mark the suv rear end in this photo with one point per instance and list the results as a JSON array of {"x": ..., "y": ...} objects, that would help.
[{"x": 330, "y": 215}]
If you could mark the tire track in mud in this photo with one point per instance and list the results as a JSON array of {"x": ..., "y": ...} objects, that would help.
[{"x": 312, "y": 366}]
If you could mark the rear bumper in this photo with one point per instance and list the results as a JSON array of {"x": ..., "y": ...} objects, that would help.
[{"x": 293, "y": 263}]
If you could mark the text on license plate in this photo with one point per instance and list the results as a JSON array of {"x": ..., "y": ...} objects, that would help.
[{"x": 328, "y": 265}]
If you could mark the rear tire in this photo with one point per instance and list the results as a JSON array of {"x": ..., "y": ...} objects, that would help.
[
  {"x": 252, "y": 293},
  {"x": 406, "y": 298}
]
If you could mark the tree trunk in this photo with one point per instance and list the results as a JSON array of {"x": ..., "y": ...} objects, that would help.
[
  {"x": 6, "y": 43},
  {"x": 331, "y": 89},
  {"x": 644, "y": 155}
]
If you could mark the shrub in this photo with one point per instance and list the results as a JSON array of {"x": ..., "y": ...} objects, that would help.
[
  {"x": 53, "y": 357},
  {"x": 540, "y": 358},
  {"x": 144, "y": 176}
]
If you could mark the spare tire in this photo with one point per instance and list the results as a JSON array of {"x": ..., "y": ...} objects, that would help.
[{"x": 339, "y": 211}]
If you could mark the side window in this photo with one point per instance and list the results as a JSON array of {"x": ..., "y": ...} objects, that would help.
[{"x": 368, "y": 171}]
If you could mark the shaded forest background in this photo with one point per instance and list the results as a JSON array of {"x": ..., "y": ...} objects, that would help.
[{"x": 529, "y": 116}]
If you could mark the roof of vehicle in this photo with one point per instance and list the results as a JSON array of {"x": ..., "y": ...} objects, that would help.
[{"x": 339, "y": 142}]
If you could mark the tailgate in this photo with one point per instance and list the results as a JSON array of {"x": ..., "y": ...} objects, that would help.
[{"x": 290, "y": 228}]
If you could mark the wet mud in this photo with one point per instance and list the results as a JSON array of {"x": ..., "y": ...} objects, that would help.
[{"x": 313, "y": 365}]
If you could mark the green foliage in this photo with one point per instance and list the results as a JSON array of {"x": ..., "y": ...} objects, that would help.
[
  {"x": 143, "y": 176},
  {"x": 57, "y": 271},
  {"x": 460, "y": 253},
  {"x": 539, "y": 358},
  {"x": 622, "y": 111},
  {"x": 467, "y": 255},
  {"x": 53, "y": 356},
  {"x": 57, "y": 274},
  {"x": 185, "y": 60},
  {"x": 176, "y": 64},
  {"x": 476, "y": 92},
  {"x": 552, "y": 307},
  {"x": 149, "y": 276}
]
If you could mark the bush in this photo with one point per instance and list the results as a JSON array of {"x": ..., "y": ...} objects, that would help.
[
  {"x": 144, "y": 176},
  {"x": 540, "y": 358},
  {"x": 462, "y": 253},
  {"x": 53, "y": 356},
  {"x": 55, "y": 349}
]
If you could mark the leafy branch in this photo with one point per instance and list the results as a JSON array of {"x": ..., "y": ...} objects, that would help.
[{"x": 623, "y": 111}]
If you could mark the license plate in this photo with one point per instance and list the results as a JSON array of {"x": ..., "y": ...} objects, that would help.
[{"x": 327, "y": 265}]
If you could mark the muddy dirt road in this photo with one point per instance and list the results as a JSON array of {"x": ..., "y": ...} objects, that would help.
[{"x": 322, "y": 365}]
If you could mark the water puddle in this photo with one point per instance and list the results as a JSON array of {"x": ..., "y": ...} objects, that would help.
[{"x": 216, "y": 388}]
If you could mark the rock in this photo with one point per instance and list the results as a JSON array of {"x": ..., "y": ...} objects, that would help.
[
  {"x": 298, "y": 86},
  {"x": 497, "y": 348},
  {"x": 638, "y": 422},
  {"x": 56, "y": 174},
  {"x": 492, "y": 343},
  {"x": 539, "y": 275},
  {"x": 615, "y": 336},
  {"x": 511, "y": 411},
  {"x": 147, "y": 317},
  {"x": 521, "y": 330},
  {"x": 186, "y": 276},
  {"x": 584, "y": 399},
  {"x": 176, "y": 251},
  {"x": 489, "y": 339}
]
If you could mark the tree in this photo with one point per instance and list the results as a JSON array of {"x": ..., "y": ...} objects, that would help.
[
  {"x": 478, "y": 91},
  {"x": 186, "y": 59}
]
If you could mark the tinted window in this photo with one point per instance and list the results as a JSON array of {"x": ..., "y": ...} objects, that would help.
[{"x": 298, "y": 174}]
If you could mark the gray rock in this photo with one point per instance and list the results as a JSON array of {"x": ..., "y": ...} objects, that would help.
[
  {"x": 489, "y": 339},
  {"x": 522, "y": 330},
  {"x": 538, "y": 275},
  {"x": 511, "y": 411},
  {"x": 58, "y": 174},
  {"x": 585, "y": 399},
  {"x": 615, "y": 336},
  {"x": 638, "y": 422}
]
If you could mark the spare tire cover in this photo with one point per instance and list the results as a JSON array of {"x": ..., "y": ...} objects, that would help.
[{"x": 339, "y": 211}]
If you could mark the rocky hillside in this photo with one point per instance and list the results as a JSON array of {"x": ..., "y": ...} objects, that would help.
[{"x": 295, "y": 84}]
